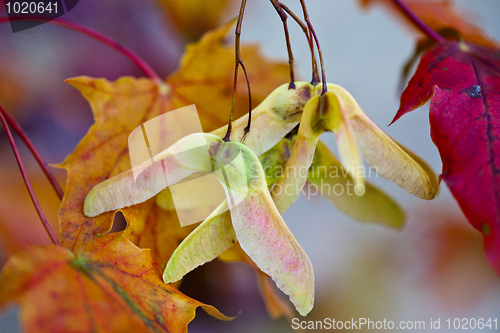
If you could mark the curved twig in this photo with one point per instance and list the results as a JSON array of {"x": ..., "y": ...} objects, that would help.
[
  {"x": 143, "y": 66},
  {"x": 45, "y": 223},
  {"x": 41, "y": 161}
]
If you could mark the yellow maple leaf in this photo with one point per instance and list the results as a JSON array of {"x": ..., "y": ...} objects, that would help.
[
  {"x": 109, "y": 286},
  {"x": 204, "y": 79}
]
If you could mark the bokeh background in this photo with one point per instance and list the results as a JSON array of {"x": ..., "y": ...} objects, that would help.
[{"x": 434, "y": 267}]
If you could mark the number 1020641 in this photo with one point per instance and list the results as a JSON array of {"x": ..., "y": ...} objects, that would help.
[
  {"x": 471, "y": 323},
  {"x": 31, "y": 7}
]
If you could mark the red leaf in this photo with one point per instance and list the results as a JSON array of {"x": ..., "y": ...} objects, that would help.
[{"x": 464, "y": 81}]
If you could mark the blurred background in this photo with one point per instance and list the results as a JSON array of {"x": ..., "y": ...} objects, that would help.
[{"x": 435, "y": 267}]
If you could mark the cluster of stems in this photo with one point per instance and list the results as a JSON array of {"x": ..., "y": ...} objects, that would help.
[{"x": 283, "y": 11}]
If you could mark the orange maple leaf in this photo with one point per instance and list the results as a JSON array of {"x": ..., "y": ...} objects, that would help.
[
  {"x": 204, "y": 79},
  {"x": 109, "y": 286},
  {"x": 440, "y": 14}
]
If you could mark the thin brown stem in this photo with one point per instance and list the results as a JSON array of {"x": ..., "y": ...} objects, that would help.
[
  {"x": 315, "y": 74},
  {"x": 284, "y": 18},
  {"x": 41, "y": 161},
  {"x": 302, "y": 25},
  {"x": 315, "y": 71},
  {"x": 45, "y": 223},
  {"x": 247, "y": 128},
  {"x": 418, "y": 22},
  {"x": 238, "y": 62},
  {"x": 313, "y": 33}
]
